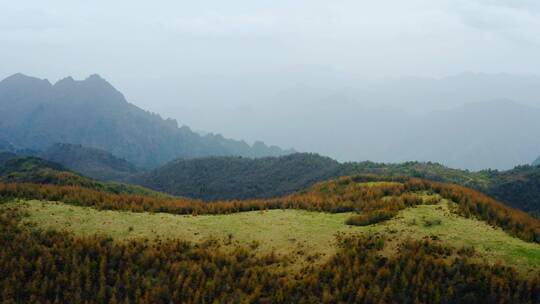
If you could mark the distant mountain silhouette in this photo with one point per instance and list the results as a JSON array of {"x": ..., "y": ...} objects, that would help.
[
  {"x": 355, "y": 119},
  {"x": 499, "y": 134},
  {"x": 36, "y": 114},
  {"x": 536, "y": 162}
]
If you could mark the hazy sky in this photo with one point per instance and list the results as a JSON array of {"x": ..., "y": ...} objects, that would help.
[{"x": 197, "y": 60}]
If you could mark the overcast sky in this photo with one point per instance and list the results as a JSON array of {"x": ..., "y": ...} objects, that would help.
[{"x": 193, "y": 60}]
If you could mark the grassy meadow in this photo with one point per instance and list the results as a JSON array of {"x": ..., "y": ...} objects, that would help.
[{"x": 304, "y": 234}]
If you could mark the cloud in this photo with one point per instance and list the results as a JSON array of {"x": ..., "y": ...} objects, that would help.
[
  {"x": 532, "y": 6},
  {"x": 517, "y": 21}
]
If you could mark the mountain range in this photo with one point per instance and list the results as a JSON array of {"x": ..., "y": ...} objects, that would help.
[
  {"x": 37, "y": 114},
  {"x": 499, "y": 134},
  {"x": 495, "y": 133},
  {"x": 392, "y": 119}
]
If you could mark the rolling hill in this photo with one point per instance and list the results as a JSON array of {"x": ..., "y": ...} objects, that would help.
[
  {"x": 34, "y": 170},
  {"x": 240, "y": 178},
  {"x": 217, "y": 178},
  {"x": 353, "y": 239},
  {"x": 37, "y": 114}
]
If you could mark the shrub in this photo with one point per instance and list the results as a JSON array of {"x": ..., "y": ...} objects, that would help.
[
  {"x": 372, "y": 217},
  {"x": 432, "y": 222}
]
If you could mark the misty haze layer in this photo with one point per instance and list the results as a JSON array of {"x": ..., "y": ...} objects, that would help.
[
  {"x": 472, "y": 121},
  {"x": 320, "y": 76},
  {"x": 495, "y": 134}
]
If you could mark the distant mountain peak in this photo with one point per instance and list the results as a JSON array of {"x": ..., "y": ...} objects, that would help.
[
  {"x": 95, "y": 81},
  {"x": 92, "y": 80},
  {"x": 16, "y": 76},
  {"x": 95, "y": 78},
  {"x": 65, "y": 81},
  {"x": 20, "y": 79},
  {"x": 93, "y": 89}
]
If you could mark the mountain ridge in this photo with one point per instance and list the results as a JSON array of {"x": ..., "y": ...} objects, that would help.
[{"x": 93, "y": 113}]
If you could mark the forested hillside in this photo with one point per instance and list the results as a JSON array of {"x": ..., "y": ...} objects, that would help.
[
  {"x": 239, "y": 178},
  {"x": 37, "y": 114},
  {"x": 519, "y": 187},
  {"x": 38, "y": 171},
  {"x": 91, "y": 162}
]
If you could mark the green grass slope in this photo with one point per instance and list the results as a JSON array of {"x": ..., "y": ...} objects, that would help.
[{"x": 300, "y": 233}]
